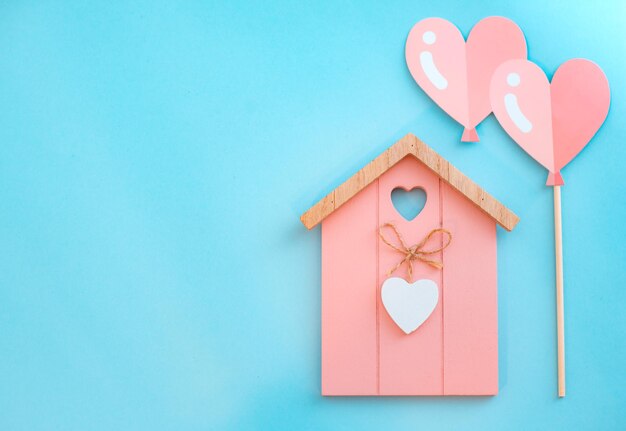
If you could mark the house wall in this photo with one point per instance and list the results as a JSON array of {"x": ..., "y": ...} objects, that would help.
[
  {"x": 409, "y": 364},
  {"x": 349, "y": 302},
  {"x": 470, "y": 299},
  {"x": 363, "y": 351}
]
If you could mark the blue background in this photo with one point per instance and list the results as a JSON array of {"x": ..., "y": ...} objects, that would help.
[{"x": 155, "y": 157}]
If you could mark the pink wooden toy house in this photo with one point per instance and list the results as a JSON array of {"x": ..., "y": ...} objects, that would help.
[{"x": 455, "y": 350}]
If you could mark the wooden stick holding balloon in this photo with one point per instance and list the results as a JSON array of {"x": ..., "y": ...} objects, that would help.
[{"x": 552, "y": 122}]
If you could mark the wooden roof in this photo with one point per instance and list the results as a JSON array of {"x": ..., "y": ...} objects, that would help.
[{"x": 410, "y": 145}]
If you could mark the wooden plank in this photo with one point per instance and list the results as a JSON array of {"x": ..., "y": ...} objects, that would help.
[
  {"x": 470, "y": 313},
  {"x": 349, "y": 288},
  {"x": 409, "y": 364},
  {"x": 413, "y": 146}
]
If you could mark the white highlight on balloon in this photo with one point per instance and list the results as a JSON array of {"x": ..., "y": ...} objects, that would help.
[
  {"x": 516, "y": 114},
  {"x": 429, "y": 38},
  {"x": 513, "y": 79},
  {"x": 428, "y": 64},
  {"x": 431, "y": 71}
]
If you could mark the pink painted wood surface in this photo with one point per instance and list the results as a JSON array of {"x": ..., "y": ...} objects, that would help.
[
  {"x": 363, "y": 351},
  {"x": 470, "y": 299},
  {"x": 409, "y": 364},
  {"x": 349, "y": 268}
]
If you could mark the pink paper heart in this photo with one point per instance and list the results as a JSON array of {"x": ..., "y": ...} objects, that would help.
[
  {"x": 456, "y": 74},
  {"x": 551, "y": 121}
]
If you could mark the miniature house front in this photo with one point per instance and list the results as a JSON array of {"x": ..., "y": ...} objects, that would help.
[{"x": 366, "y": 350}]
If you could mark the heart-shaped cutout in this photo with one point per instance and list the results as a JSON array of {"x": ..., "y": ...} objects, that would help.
[
  {"x": 408, "y": 203},
  {"x": 551, "y": 121},
  {"x": 409, "y": 304},
  {"x": 455, "y": 73}
]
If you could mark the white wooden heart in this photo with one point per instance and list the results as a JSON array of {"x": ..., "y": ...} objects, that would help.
[{"x": 409, "y": 304}]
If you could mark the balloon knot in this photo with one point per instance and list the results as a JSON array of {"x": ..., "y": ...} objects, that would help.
[
  {"x": 555, "y": 179},
  {"x": 470, "y": 135}
]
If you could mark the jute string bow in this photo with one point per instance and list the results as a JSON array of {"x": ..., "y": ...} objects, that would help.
[{"x": 417, "y": 251}]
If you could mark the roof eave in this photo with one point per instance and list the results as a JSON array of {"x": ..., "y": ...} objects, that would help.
[{"x": 410, "y": 145}]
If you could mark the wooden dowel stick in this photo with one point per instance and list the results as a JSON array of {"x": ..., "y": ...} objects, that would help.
[{"x": 560, "y": 320}]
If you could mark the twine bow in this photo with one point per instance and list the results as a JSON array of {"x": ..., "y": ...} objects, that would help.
[{"x": 415, "y": 252}]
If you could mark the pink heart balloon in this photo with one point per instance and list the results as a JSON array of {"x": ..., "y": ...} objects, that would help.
[
  {"x": 551, "y": 121},
  {"x": 456, "y": 74}
]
